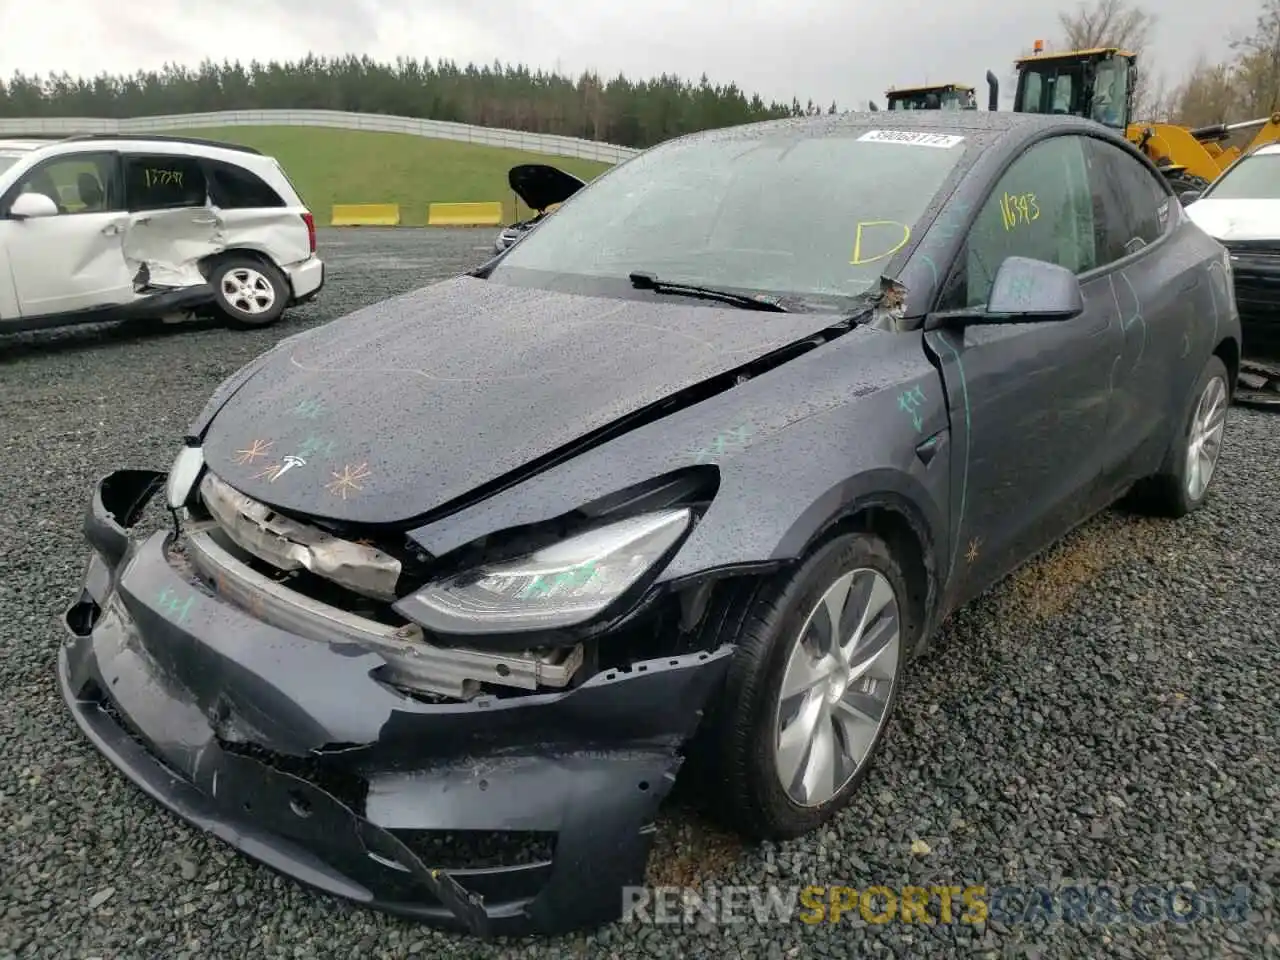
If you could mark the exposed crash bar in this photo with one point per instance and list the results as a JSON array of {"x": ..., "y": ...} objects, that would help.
[
  {"x": 290, "y": 545},
  {"x": 448, "y": 671}
]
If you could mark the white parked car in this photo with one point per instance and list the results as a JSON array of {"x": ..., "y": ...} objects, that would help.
[
  {"x": 109, "y": 227},
  {"x": 1241, "y": 210}
]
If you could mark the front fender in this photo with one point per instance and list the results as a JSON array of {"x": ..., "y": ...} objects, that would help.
[
  {"x": 854, "y": 456},
  {"x": 793, "y": 447}
]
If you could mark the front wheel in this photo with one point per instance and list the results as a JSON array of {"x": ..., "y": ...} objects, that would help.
[
  {"x": 810, "y": 690},
  {"x": 249, "y": 292}
]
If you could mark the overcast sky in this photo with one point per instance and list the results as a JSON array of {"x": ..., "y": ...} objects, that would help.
[{"x": 824, "y": 49}]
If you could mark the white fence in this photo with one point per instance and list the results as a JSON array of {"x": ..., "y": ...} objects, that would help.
[{"x": 544, "y": 143}]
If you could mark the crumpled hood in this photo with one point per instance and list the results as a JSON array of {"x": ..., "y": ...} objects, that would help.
[
  {"x": 404, "y": 406},
  {"x": 1237, "y": 219}
]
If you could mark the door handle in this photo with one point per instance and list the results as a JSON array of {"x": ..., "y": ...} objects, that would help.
[
  {"x": 142, "y": 220},
  {"x": 111, "y": 229},
  {"x": 1189, "y": 285},
  {"x": 204, "y": 219}
]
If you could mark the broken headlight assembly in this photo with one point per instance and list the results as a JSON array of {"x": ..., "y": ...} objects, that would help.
[
  {"x": 561, "y": 585},
  {"x": 183, "y": 475}
]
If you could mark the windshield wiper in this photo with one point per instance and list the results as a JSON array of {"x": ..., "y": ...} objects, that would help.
[{"x": 647, "y": 281}]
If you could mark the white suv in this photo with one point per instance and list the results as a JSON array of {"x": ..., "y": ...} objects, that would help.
[{"x": 111, "y": 227}]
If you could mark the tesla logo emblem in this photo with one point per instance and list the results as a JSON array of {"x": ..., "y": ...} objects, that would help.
[{"x": 278, "y": 470}]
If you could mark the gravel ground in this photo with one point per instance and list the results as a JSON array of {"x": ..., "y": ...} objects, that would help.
[{"x": 1110, "y": 713}]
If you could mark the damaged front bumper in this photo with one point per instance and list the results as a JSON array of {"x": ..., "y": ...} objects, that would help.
[{"x": 292, "y": 750}]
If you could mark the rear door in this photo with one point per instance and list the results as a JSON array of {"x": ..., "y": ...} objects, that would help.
[
  {"x": 1159, "y": 294},
  {"x": 171, "y": 225},
  {"x": 254, "y": 215},
  {"x": 1029, "y": 401},
  {"x": 72, "y": 261}
]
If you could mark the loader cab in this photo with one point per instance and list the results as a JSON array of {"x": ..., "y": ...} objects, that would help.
[
  {"x": 947, "y": 96},
  {"x": 1096, "y": 84}
]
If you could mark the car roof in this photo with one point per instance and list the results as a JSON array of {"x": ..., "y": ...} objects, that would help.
[
  {"x": 1267, "y": 149},
  {"x": 20, "y": 145},
  {"x": 133, "y": 143},
  {"x": 981, "y": 128}
]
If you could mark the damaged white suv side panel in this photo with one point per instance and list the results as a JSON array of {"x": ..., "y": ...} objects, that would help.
[{"x": 105, "y": 228}]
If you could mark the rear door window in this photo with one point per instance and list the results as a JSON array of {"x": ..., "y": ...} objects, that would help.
[
  {"x": 1131, "y": 207},
  {"x": 164, "y": 182},
  {"x": 235, "y": 188}
]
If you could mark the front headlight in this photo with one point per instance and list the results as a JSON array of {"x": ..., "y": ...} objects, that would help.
[
  {"x": 182, "y": 476},
  {"x": 558, "y": 586}
]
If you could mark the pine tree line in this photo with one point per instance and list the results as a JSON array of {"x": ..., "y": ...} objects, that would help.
[{"x": 630, "y": 113}]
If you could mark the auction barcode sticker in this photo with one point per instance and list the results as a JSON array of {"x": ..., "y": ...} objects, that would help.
[{"x": 943, "y": 140}]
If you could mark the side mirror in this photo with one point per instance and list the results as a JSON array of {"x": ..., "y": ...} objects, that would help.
[
  {"x": 1024, "y": 291},
  {"x": 1188, "y": 197},
  {"x": 28, "y": 205}
]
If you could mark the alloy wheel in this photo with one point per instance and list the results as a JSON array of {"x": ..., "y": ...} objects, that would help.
[
  {"x": 1204, "y": 443},
  {"x": 837, "y": 686},
  {"x": 248, "y": 290}
]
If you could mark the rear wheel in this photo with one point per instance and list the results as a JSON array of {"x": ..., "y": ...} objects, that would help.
[
  {"x": 1182, "y": 485},
  {"x": 810, "y": 690},
  {"x": 249, "y": 292}
]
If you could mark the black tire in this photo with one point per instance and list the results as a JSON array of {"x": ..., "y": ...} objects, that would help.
[
  {"x": 260, "y": 281},
  {"x": 733, "y": 758},
  {"x": 1167, "y": 493}
]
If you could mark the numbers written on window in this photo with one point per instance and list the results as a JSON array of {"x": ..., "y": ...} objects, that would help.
[
  {"x": 1042, "y": 208},
  {"x": 152, "y": 177},
  {"x": 1019, "y": 209},
  {"x": 163, "y": 182}
]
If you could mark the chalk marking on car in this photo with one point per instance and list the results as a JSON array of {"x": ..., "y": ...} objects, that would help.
[
  {"x": 910, "y": 402},
  {"x": 256, "y": 449},
  {"x": 951, "y": 224},
  {"x": 178, "y": 609},
  {"x": 277, "y": 470},
  {"x": 726, "y": 442},
  {"x": 314, "y": 445},
  {"x": 577, "y": 576},
  {"x": 309, "y": 408},
  {"x": 1137, "y": 306},
  {"x": 1214, "y": 270},
  {"x": 351, "y": 478},
  {"x": 1018, "y": 209},
  {"x": 933, "y": 269},
  {"x": 968, "y": 447},
  {"x": 858, "y": 260}
]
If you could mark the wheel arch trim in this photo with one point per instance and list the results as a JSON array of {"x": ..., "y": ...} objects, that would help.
[{"x": 893, "y": 506}]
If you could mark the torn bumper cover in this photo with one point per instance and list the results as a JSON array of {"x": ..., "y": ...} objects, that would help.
[{"x": 294, "y": 753}]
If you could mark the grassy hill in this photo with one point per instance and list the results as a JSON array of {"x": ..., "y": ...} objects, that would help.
[{"x": 331, "y": 166}]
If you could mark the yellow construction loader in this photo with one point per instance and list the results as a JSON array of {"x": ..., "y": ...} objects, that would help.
[
  {"x": 1099, "y": 84},
  {"x": 940, "y": 96}
]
